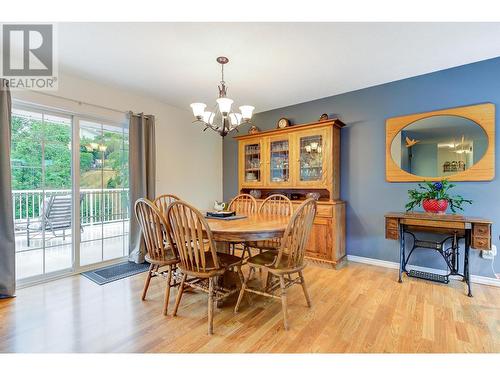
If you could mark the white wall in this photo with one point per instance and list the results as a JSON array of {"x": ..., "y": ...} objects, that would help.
[{"x": 188, "y": 160}]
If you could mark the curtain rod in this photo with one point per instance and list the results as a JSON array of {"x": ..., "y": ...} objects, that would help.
[{"x": 80, "y": 102}]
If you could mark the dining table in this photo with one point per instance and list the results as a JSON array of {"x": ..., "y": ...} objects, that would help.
[{"x": 249, "y": 227}]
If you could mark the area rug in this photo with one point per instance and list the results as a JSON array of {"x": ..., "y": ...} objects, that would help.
[{"x": 115, "y": 272}]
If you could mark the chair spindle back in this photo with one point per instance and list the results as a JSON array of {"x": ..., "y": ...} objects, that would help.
[
  {"x": 165, "y": 200},
  {"x": 243, "y": 204},
  {"x": 187, "y": 229},
  {"x": 153, "y": 226},
  {"x": 276, "y": 204},
  {"x": 296, "y": 235}
]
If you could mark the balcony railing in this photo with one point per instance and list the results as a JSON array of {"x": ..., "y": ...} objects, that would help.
[{"x": 96, "y": 205}]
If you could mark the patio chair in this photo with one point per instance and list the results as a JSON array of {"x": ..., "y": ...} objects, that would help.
[{"x": 56, "y": 216}]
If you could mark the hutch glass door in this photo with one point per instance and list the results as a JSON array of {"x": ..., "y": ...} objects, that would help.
[
  {"x": 311, "y": 146},
  {"x": 279, "y": 158},
  {"x": 252, "y": 172}
]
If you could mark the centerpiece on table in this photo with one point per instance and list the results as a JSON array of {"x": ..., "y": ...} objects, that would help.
[{"x": 435, "y": 198}]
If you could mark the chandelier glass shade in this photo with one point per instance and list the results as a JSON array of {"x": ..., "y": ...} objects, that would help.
[{"x": 221, "y": 119}]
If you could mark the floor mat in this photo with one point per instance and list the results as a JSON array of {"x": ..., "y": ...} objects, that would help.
[{"x": 115, "y": 272}]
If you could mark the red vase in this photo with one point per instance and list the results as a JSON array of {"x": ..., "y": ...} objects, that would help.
[{"x": 436, "y": 206}]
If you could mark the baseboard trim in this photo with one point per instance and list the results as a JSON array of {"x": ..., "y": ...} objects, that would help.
[{"x": 384, "y": 263}]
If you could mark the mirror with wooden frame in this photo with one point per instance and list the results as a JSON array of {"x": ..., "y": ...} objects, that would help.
[{"x": 457, "y": 144}]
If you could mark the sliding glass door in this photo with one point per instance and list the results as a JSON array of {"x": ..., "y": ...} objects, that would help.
[
  {"x": 41, "y": 151},
  {"x": 104, "y": 209},
  {"x": 69, "y": 192}
]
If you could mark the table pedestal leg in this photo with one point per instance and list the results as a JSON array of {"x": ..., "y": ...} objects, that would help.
[
  {"x": 222, "y": 246},
  {"x": 228, "y": 279}
]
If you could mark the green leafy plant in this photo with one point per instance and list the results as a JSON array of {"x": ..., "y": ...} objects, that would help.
[{"x": 435, "y": 190}]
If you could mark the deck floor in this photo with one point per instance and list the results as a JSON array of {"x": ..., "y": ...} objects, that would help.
[{"x": 101, "y": 241}]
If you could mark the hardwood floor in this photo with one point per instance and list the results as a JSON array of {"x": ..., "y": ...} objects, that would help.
[{"x": 359, "y": 308}]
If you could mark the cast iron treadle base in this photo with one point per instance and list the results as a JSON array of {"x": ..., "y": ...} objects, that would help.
[{"x": 429, "y": 276}]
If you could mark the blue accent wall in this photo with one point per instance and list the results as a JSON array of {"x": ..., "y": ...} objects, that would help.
[
  {"x": 480, "y": 147},
  {"x": 363, "y": 184},
  {"x": 424, "y": 159}
]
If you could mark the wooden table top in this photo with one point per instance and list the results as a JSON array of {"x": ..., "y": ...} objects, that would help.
[{"x": 251, "y": 228}]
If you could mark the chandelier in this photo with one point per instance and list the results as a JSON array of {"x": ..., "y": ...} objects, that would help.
[{"x": 221, "y": 119}]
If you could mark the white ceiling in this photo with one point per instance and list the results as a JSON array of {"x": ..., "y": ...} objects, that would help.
[{"x": 271, "y": 64}]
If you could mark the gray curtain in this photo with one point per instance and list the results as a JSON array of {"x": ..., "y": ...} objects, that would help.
[
  {"x": 142, "y": 175},
  {"x": 7, "y": 242}
]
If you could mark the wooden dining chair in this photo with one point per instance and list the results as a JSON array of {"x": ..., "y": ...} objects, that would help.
[
  {"x": 159, "y": 253},
  {"x": 276, "y": 204},
  {"x": 165, "y": 200},
  {"x": 201, "y": 265},
  {"x": 288, "y": 261},
  {"x": 243, "y": 204}
]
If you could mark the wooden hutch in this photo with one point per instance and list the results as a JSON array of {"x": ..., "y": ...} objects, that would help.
[{"x": 295, "y": 161}]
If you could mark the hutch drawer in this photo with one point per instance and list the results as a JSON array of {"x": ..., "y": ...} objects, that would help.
[{"x": 324, "y": 210}]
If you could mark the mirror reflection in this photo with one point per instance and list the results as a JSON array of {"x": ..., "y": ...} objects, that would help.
[{"x": 439, "y": 146}]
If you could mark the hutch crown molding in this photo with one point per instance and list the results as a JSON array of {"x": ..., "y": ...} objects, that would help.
[{"x": 295, "y": 161}]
